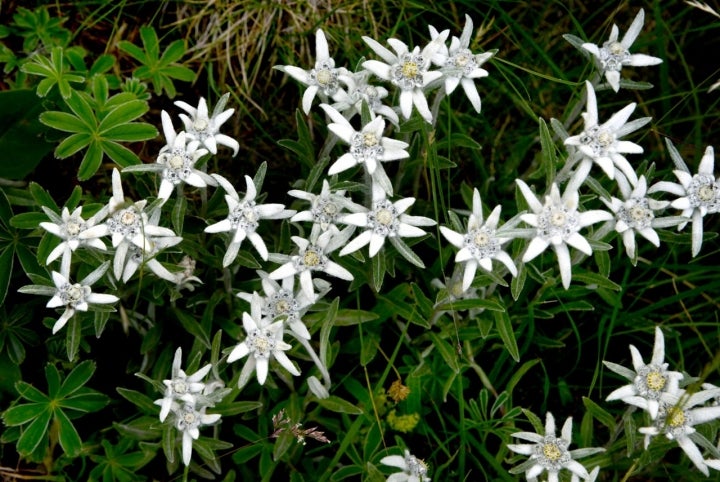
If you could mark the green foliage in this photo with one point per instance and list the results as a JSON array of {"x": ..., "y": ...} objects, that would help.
[{"x": 54, "y": 72}]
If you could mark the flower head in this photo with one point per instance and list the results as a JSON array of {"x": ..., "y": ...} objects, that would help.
[
  {"x": 322, "y": 79},
  {"x": 481, "y": 244},
  {"x": 677, "y": 418},
  {"x": 181, "y": 386},
  {"x": 358, "y": 90},
  {"x": 264, "y": 341},
  {"x": 601, "y": 144},
  {"x": 68, "y": 227},
  {"x": 699, "y": 194},
  {"x": 408, "y": 70},
  {"x": 459, "y": 65},
  {"x": 244, "y": 218},
  {"x": 557, "y": 223},
  {"x": 614, "y": 53},
  {"x": 188, "y": 420},
  {"x": 205, "y": 129},
  {"x": 326, "y": 208},
  {"x": 649, "y": 381},
  {"x": 550, "y": 453},
  {"x": 413, "y": 468}
]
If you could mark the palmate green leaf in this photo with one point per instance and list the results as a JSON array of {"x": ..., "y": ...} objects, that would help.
[
  {"x": 78, "y": 377},
  {"x": 85, "y": 400},
  {"x": 72, "y": 144},
  {"x": 64, "y": 121},
  {"x": 34, "y": 434},
  {"x": 123, "y": 114},
  {"x": 122, "y": 156},
  {"x": 132, "y": 132},
  {"x": 67, "y": 434},
  {"x": 28, "y": 392},
  {"x": 53, "y": 378},
  {"x": 91, "y": 162},
  {"x": 22, "y": 414}
]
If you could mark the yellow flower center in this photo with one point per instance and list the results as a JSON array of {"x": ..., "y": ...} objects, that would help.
[
  {"x": 552, "y": 452},
  {"x": 558, "y": 219},
  {"x": 706, "y": 193},
  {"x": 311, "y": 258},
  {"x": 72, "y": 228},
  {"x": 410, "y": 69},
  {"x": 176, "y": 162},
  {"x": 638, "y": 213},
  {"x": 200, "y": 125},
  {"x": 616, "y": 48},
  {"x": 75, "y": 293},
  {"x": 323, "y": 76},
  {"x": 655, "y": 381},
  {"x": 385, "y": 217},
  {"x": 127, "y": 218},
  {"x": 482, "y": 239},
  {"x": 370, "y": 139},
  {"x": 282, "y": 306},
  {"x": 180, "y": 387},
  {"x": 462, "y": 60},
  {"x": 189, "y": 418},
  {"x": 262, "y": 344},
  {"x": 605, "y": 138},
  {"x": 675, "y": 417}
]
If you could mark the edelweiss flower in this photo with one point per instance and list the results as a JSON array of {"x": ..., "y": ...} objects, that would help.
[
  {"x": 323, "y": 79},
  {"x": 460, "y": 65},
  {"x": 408, "y": 70},
  {"x": 313, "y": 257},
  {"x": 549, "y": 453},
  {"x": 204, "y": 129},
  {"x": 700, "y": 193},
  {"x": 601, "y": 143},
  {"x": 386, "y": 220},
  {"x": 138, "y": 257},
  {"x": 413, "y": 468},
  {"x": 613, "y": 55},
  {"x": 649, "y": 382},
  {"x": 181, "y": 386},
  {"x": 263, "y": 341},
  {"x": 188, "y": 420},
  {"x": 69, "y": 227},
  {"x": 677, "y": 419},
  {"x": 481, "y": 244},
  {"x": 244, "y": 217},
  {"x": 73, "y": 296},
  {"x": 357, "y": 89},
  {"x": 325, "y": 208},
  {"x": 557, "y": 223},
  {"x": 636, "y": 214}
]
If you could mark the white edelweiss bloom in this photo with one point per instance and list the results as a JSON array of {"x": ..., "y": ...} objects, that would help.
[
  {"x": 313, "y": 257},
  {"x": 357, "y": 89},
  {"x": 205, "y": 129},
  {"x": 699, "y": 194},
  {"x": 481, "y": 244},
  {"x": 77, "y": 296},
  {"x": 614, "y": 54},
  {"x": 459, "y": 65},
  {"x": 264, "y": 341},
  {"x": 550, "y": 453},
  {"x": 677, "y": 419},
  {"x": 601, "y": 143},
  {"x": 413, "y": 468},
  {"x": 385, "y": 220},
  {"x": 325, "y": 208},
  {"x": 408, "y": 70},
  {"x": 322, "y": 80},
  {"x": 181, "y": 386},
  {"x": 137, "y": 257},
  {"x": 636, "y": 214},
  {"x": 367, "y": 146},
  {"x": 186, "y": 278},
  {"x": 188, "y": 420},
  {"x": 557, "y": 223},
  {"x": 649, "y": 381},
  {"x": 244, "y": 217},
  {"x": 68, "y": 227}
]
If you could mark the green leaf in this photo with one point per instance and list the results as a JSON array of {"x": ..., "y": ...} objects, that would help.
[
  {"x": 73, "y": 335},
  {"x": 28, "y": 220},
  {"x": 42, "y": 197},
  {"x": 471, "y": 304},
  {"x": 53, "y": 378},
  {"x": 91, "y": 162},
  {"x": 77, "y": 378},
  {"x": 72, "y": 144},
  {"x": 446, "y": 351},
  {"x": 406, "y": 252},
  {"x": 28, "y": 392},
  {"x": 594, "y": 280},
  {"x": 192, "y": 327},
  {"x": 507, "y": 335},
  {"x": 34, "y": 434},
  {"x": 85, "y": 400},
  {"x": 348, "y": 317},
  {"x": 21, "y": 414},
  {"x": 123, "y": 114},
  {"x": 68, "y": 435},
  {"x": 549, "y": 156},
  {"x": 378, "y": 270},
  {"x": 122, "y": 156},
  {"x": 600, "y": 414},
  {"x": 64, "y": 121},
  {"x": 6, "y": 268},
  {"x": 142, "y": 401},
  {"x": 134, "y": 132},
  {"x": 337, "y": 404}
]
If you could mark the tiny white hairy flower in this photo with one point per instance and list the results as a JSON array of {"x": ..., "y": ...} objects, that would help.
[{"x": 205, "y": 129}]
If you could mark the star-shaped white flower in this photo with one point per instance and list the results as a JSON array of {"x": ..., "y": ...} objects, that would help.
[
  {"x": 649, "y": 381},
  {"x": 550, "y": 453},
  {"x": 181, "y": 386},
  {"x": 557, "y": 223},
  {"x": 413, "y": 468},
  {"x": 325, "y": 208},
  {"x": 614, "y": 54},
  {"x": 313, "y": 258},
  {"x": 68, "y": 227},
  {"x": 677, "y": 419},
  {"x": 137, "y": 257},
  {"x": 264, "y": 341},
  {"x": 699, "y": 193},
  {"x": 367, "y": 146},
  {"x": 636, "y": 215},
  {"x": 73, "y": 296},
  {"x": 244, "y": 217},
  {"x": 357, "y": 90},
  {"x": 459, "y": 65},
  {"x": 601, "y": 143},
  {"x": 408, "y": 70},
  {"x": 188, "y": 420},
  {"x": 205, "y": 129},
  {"x": 481, "y": 244},
  {"x": 386, "y": 220},
  {"x": 322, "y": 80}
]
